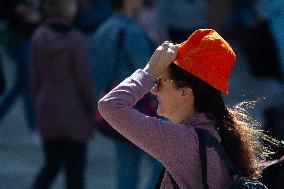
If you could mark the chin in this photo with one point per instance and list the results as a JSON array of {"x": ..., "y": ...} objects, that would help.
[{"x": 160, "y": 112}]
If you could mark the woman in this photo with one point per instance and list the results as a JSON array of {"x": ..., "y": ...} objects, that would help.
[{"x": 189, "y": 80}]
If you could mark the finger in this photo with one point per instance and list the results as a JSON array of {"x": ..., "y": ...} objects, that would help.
[
  {"x": 165, "y": 45},
  {"x": 160, "y": 48},
  {"x": 167, "y": 53},
  {"x": 171, "y": 45},
  {"x": 175, "y": 50},
  {"x": 170, "y": 55},
  {"x": 172, "y": 51}
]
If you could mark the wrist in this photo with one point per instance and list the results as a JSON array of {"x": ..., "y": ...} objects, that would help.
[{"x": 150, "y": 72}]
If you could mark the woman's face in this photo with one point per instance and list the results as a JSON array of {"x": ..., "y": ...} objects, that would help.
[{"x": 167, "y": 95}]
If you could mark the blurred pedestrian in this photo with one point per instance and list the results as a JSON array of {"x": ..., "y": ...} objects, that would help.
[
  {"x": 147, "y": 18},
  {"x": 190, "y": 78},
  {"x": 265, "y": 49},
  {"x": 273, "y": 12},
  {"x": 21, "y": 18},
  {"x": 177, "y": 19},
  {"x": 2, "y": 77},
  {"x": 118, "y": 47},
  {"x": 62, "y": 94},
  {"x": 91, "y": 13}
]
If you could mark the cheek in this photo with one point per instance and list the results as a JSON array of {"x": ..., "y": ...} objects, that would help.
[
  {"x": 165, "y": 106},
  {"x": 160, "y": 109}
]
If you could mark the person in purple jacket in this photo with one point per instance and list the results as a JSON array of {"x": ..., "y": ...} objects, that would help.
[
  {"x": 63, "y": 98},
  {"x": 190, "y": 78}
]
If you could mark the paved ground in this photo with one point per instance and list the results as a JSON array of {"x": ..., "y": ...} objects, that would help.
[
  {"x": 21, "y": 155},
  {"x": 21, "y": 158}
]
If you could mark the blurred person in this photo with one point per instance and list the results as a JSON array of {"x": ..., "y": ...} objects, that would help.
[
  {"x": 21, "y": 18},
  {"x": 3, "y": 26},
  {"x": 248, "y": 25},
  {"x": 2, "y": 77},
  {"x": 62, "y": 94},
  {"x": 251, "y": 30},
  {"x": 120, "y": 45},
  {"x": 189, "y": 81},
  {"x": 175, "y": 20},
  {"x": 91, "y": 13},
  {"x": 259, "y": 43},
  {"x": 273, "y": 12},
  {"x": 147, "y": 18},
  {"x": 265, "y": 56},
  {"x": 178, "y": 19}
]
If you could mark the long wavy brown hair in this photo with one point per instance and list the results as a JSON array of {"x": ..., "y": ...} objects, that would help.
[{"x": 240, "y": 135}]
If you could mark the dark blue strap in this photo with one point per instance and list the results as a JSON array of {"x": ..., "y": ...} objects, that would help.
[
  {"x": 203, "y": 157},
  {"x": 211, "y": 141},
  {"x": 203, "y": 160},
  {"x": 174, "y": 184}
]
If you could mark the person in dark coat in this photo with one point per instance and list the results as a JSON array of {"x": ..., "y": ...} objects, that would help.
[{"x": 62, "y": 94}]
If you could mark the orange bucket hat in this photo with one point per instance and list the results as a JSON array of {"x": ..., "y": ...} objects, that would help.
[{"x": 206, "y": 55}]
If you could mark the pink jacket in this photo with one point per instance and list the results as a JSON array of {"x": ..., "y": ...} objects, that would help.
[{"x": 174, "y": 145}]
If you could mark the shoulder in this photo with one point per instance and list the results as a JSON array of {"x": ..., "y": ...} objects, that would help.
[
  {"x": 133, "y": 29},
  {"x": 137, "y": 39},
  {"x": 107, "y": 25},
  {"x": 39, "y": 31}
]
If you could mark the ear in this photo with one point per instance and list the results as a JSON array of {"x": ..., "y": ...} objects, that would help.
[{"x": 187, "y": 94}]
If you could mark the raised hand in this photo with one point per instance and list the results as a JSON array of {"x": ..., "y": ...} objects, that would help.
[{"x": 163, "y": 56}]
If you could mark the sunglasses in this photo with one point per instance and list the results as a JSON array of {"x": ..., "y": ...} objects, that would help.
[{"x": 158, "y": 83}]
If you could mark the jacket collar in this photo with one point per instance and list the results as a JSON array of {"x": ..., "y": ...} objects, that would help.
[
  {"x": 201, "y": 121},
  {"x": 198, "y": 119}
]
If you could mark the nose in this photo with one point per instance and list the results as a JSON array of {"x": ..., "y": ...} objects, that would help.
[{"x": 154, "y": 90}]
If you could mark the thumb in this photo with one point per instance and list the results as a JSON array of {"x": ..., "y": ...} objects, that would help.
[{"x": 174, "y": 49}]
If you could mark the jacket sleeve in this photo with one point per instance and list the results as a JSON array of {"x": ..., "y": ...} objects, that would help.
[{"x": 157, "y": 137}]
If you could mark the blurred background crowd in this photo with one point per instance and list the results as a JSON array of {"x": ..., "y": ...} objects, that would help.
[{"x": 58, "y": 56}]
